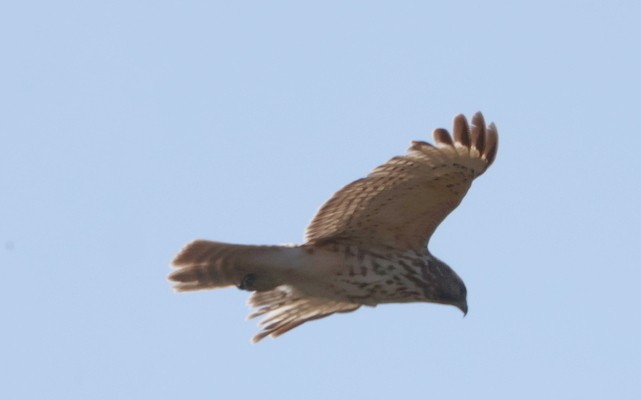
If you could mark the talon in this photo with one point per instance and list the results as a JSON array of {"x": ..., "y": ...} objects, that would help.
[{"x": 248, "y": 282}]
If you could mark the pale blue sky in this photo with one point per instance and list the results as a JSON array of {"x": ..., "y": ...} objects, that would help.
[{"x": 130, "y": 128}]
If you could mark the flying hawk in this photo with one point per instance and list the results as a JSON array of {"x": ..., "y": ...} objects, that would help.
[{"x": 366, "y": 246}]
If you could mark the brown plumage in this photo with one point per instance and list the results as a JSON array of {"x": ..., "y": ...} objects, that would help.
[{"x": 367, "y": 245}]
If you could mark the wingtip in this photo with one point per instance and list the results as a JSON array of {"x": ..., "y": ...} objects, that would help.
[
  {"x": 478, "y": 119},
  {"x": 479, "y": 136},
  {"x": 442, "y": 137},
  {"x": 461, "y": 131},
  {"x": 477, "y": 133},
  {"x": 491, "y": 143},
  {"x": 480, "y": 139}
]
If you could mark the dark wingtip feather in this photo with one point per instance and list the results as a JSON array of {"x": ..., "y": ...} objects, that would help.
[
  {"x": 461, "y": 130},
  {"x": 442, "y": 136},
  {"x": 478, "y": 119},
  {"x": 477, "y": 134},
  {"x": 491, "y": 143}
]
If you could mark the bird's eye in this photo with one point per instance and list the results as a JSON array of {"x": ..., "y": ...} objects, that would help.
[{"x": 247, "y": 283}]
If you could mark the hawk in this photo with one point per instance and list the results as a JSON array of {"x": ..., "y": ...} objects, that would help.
[{"x": 366, "y": 246}]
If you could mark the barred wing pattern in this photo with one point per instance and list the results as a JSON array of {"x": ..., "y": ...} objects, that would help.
[{"x": 401, "y": 203}]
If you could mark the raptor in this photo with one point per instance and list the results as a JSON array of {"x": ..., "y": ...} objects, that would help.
[{"x": 367, "y": 245}]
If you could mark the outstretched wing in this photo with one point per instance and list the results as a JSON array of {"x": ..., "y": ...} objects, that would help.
[
  {"x": 401, "y": 202},
  {"x": 284, "y": 308}
]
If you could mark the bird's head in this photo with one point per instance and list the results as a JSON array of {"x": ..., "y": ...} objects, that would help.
[{"x": 448, "y": 287}]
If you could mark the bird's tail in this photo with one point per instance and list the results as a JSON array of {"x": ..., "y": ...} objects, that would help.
[
  {"x": 210, "y": 265},
  {"x": 267, "y": 271}
]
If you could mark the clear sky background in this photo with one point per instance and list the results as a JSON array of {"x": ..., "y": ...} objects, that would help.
[{"x": 129, "y": 128}]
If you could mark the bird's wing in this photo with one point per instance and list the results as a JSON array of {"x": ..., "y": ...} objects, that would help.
[
  {"x": 401, "y": 202},
  {"x": 284, "y": 308}
]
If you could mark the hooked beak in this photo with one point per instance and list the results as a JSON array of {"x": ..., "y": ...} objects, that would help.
[{"x": 463, "y": 307}]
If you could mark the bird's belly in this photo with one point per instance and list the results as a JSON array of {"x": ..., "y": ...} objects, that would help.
[{"x": 367, "y": 281}]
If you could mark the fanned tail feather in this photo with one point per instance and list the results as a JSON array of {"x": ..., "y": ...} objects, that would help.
[{"x": 205, "y": 265}]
